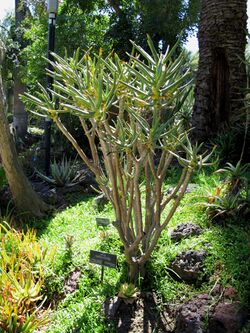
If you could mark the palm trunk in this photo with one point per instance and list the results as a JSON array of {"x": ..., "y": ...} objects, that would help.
[{"x": 221, "y": 74}]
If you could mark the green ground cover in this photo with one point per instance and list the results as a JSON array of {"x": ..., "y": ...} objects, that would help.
[{"x": 73, "y": 232}]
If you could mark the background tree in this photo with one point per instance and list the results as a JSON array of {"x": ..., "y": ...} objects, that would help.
[
  {"x": 107, "y": 25},
  {"x": 26, "y": 201},
  {"x": 221, "y": 76},
  {"x": 164, "y": 20},
  {"x": 77, "y": 26},
  {"x": 20, "y": 117}
]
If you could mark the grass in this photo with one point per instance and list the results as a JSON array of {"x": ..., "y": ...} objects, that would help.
[
  {"x": 81, "y": 310},
  {"x": 227, "y": 263}
]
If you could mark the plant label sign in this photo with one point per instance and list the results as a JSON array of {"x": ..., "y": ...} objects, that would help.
[
  {"x": 102, "y": 222},
  {"x": 103, "y": 258}
]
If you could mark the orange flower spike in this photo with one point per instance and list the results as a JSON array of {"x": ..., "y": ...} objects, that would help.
[
  {"x": 218, "y": 191},
  {"x": 211, "y": 199}
]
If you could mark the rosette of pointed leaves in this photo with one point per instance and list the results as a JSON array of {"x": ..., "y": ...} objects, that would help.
[{"x": 21, "y": 281}]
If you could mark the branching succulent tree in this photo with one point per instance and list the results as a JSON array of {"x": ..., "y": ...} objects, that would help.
[{"x": 130, "y": 109}]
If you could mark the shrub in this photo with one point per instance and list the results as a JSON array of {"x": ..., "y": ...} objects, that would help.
[
  {"x": 131, "y": 109},
  {"x": 21, "y": 281},
  {"x": 62, "y": 173},
  {"x": 232, "y": 198}
]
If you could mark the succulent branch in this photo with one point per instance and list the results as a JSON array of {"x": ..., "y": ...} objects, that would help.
[{"x": 132, "y": 109}]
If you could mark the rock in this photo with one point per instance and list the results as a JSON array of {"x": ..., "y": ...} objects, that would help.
[
  {"x": 51, "y": 195},
  {"x": 110, "y": 307},
  {"x": 189, "y": 265},
  {"x": 191, "y": 188},
  {"x": 227, "y": 294},
  {"x": 230, "y": 293},
  {"x": 100, "y": 202},
  {"x": 185, "y": 230},
  {"x": 72, "y": 281},
  {"x": 86, "y": 178},
  {"x": 202, "y": 314},
  {"x": 5, "y": 197},
  {"x": 191, "y": 316},
  {"x": 227, "y": 318}
]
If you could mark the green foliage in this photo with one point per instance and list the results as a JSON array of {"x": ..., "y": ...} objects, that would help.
[
  {"x": 231, "y": 198},
  {"x": 135, "y": 19},
  {"x": 226, "y": 205},
  {"x": 227, "y": 246},
  {"x": 146, "y": 94},
  {"x": 236, "y": 176},
  {"x": 3, "y": 180},
  {"x": 172, "y": 18},
  {"x": 127, "y": 290},
  {"x": 227, "y": 263},
  {"x": 96, "y": 24},
  {"x": 21, "y": 281},
  {"x": 7, "y": 215},
  {"x": 73, "y": 29},
  {"x": 82, "y": 309},
  {"x": 230, "y": 143},
  {"x": 62, "y": 173}
]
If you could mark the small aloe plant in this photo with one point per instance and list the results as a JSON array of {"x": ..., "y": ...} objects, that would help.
[
  {"x": 128, "y": 292},
  {"x": 145, "y": 94},
  {"x": 62, "y": 174},
  {"x": 232, "y": 198},
  {"x": 236, "y": 175}
]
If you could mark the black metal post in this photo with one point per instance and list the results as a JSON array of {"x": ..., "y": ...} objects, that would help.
[
  {"x": 102, "y": 274},
  {"x": 48, "y": 121}
]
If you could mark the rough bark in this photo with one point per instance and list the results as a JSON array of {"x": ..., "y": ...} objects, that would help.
[
  {"x": 26, "y": 200},
  {"x": 221, "y": 75}
]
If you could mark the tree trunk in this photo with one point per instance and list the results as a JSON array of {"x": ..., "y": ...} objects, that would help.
[
  {"x": 27, "y": 202},
  {"x": 20, "y": 117},
  {"x": 221, "y": 75}
]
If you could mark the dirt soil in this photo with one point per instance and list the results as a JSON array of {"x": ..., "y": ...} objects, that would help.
[{"x": 143, "y": 316}]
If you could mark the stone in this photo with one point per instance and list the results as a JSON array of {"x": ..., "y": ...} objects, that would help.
[
  {"x": 230, "y": 293},
  {"x": 201, "y": 314},
  {"x": 191, "y": 316},
  {"x": 189, "y": 265},
  {"x": 51, "y": 195},
  {"x": 111, "y": 306},
  {"x": 185, "y": 230},
  {"x": 191, "y": 188},
  {"x": 5, "y": 197},
  {"x": 72, "y": 281},
  {"x": 100, "y": 201},
  {"x": 227, "y": 318},
  {"x": 86, "y": 178}
]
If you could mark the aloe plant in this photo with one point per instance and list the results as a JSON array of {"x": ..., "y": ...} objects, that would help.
[
  {"x": 61, "y": 174},
  {"x": 236, "y": 176},
  {"x": 132, "y": 108},
  {"x": 21, "y": 281},
  {"x": 128, "y": 292}
]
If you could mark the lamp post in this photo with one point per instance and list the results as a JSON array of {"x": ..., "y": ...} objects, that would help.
[{"x": 52, "y": 8}]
